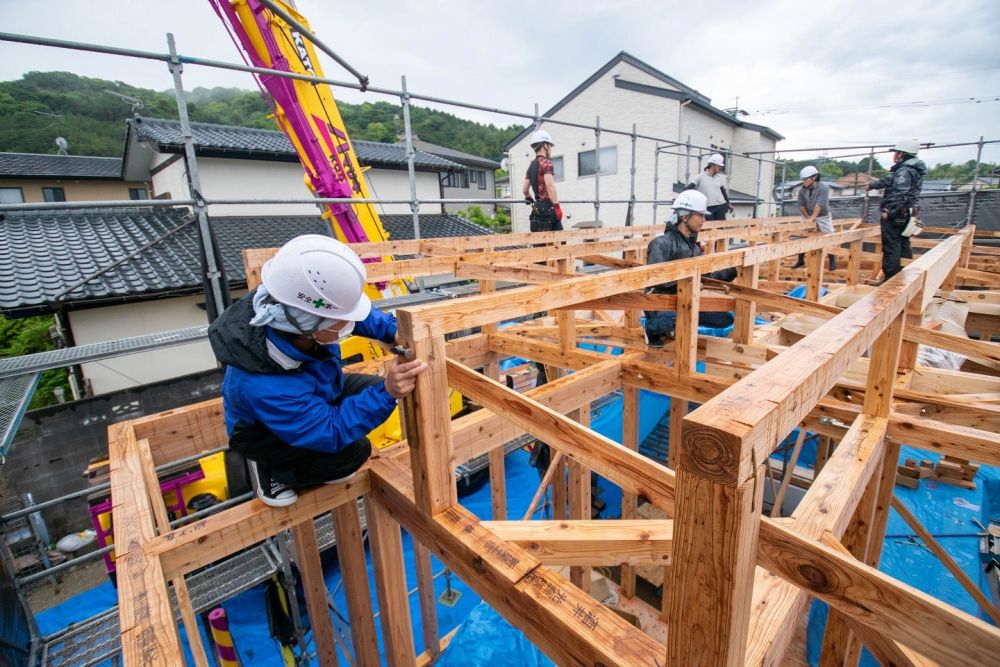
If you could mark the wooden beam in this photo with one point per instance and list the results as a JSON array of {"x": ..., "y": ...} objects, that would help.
[
  {"x": 710, "y": 301},
  {"x": 569, "y": 626},
  {"x": 630, "y": 470},
  {"x": 351, "y": 555},
  {"x": 612, "y": 262},
  {"x": 874, "y": 599},
  {"x": 514, "y": 274},
  {"x": 590, "y": 542},
  {"x": 390, "y": 585},
  {"x": 311, "y": 575},
  {"x": 148, "y": 630}
]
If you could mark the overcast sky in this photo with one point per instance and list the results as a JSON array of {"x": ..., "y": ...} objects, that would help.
[{"x": 819, "y": 73}]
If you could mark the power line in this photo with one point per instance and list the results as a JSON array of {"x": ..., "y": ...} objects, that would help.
[{"x": 890, "y": 105}]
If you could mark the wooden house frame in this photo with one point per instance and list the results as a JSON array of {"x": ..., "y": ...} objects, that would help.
[{"x": 738, "y": 582}]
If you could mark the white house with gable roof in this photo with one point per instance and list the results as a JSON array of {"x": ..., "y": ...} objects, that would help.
[{"x": 627, "y": 91}]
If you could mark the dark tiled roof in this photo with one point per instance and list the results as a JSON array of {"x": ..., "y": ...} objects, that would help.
[
  {"x": 400, "y": 227},
  {"x": 212, "y": 138},
  {"x": 33, "y": 165},
  {"x": 452, "y": 154},
  {"x": 43, "y": 253}
]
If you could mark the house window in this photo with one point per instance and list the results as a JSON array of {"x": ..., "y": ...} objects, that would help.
[
  {"x": 456, "y": 179},
  {"x": 54, "y": 194},
  {"x": 478, "y": 176},
  {"x": 558, "y": 168},
  {"x": 137, "y": 193},
  {"x": 11, "y": 196},
  {"x": 588, "y": 163}
]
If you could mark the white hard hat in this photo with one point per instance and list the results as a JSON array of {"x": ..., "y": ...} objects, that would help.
[
  {"x": 716, "y": 158},
  {"x": 318, "y": 275},
  {"x": 910, "y": 146},
  {"x": 691, "y": 200},
  {"x": 541, "y": 137},
  {"x": 808, "y": 171}
]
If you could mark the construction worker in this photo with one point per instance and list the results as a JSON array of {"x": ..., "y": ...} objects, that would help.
[
  {"x": 289, "y": 409},
  {"x": 540, "y": 188},
  {"x": 901, "y": 190},
  {"x": 712, "y": 184},
  {"x": 814, "y": 206},
  {"x": 680, "y": 241}
]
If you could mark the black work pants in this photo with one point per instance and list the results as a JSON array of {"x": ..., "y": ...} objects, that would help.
[
  {"x": 894, "y": 245},
  {"x": 717, "y": 212},
  {"x": 299, "y": 467}
]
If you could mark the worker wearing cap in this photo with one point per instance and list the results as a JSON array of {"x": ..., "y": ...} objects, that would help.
[
  {"x": 901, "y": 190},
  {"x": 289, "y": 409},
  {"x": 540, "y": 188},
  {"x": 712, "y": 184},
  {"x": 814, "y": 206},
  {"x": 680, "y": 241}
]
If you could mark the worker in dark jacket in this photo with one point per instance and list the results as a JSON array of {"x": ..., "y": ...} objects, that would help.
[
  {"x": 289, "y": 409},
  {"x": 901, "y": 189},
  {"x": 680, "y": 241}
]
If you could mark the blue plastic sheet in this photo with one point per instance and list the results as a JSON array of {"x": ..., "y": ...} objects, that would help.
[
  {"x": 947, "y": 512},
  {"x": 486, "y": 639}
]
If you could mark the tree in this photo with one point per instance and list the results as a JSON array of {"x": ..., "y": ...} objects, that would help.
[
  {"x": 26, "y": 336},
  {"x": 831, "y": 171}
]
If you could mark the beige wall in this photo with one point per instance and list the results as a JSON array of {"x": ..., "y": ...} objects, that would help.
[
  {"x": 140, "y": 319},
  {"x": 76, "y": 190}
]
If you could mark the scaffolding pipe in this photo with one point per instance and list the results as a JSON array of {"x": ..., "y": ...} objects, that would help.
[
  {"x": 975, "y": 183},
  {"x": 78, "y": 205},
  {"x": 214, "y": 279},
  {"x": 784, "y": 168},
  {"x": 866, "y": 203},
  {"x": 656, "y": 178},
  {"x": 631, "y": 183},
  {"x": 757, "y": 198},
  {"x": 597, "y": 170}
]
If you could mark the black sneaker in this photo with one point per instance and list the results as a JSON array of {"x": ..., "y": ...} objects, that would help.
[{"x": 270, "y": 491}]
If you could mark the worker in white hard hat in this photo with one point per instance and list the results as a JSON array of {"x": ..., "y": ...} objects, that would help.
[
  {"x": 540, "y": 188},
  {"x": 290, "y": 410},
  {"x": 814, "y": 207},
  {"x": 680, "y": 241},
  {"x": 712, "y": 184},
  {"x": 901, "y": 192}
]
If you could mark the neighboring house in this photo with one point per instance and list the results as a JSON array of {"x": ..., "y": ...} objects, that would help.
[
  {"x": 982, "y": 183},
  {"x": 44, "y": 253},
  {"x": 852, "y": 184},
  {"x": 938, "y": 185},
  {"x": 626, "y": 91},
  {"x": 476, "y": 182},
  {"x": 503, "y": 188},
  {"x": 245, "y": 163},
  {"x": 33, "y": 178}
]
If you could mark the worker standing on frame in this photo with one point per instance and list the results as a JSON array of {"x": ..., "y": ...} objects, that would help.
[
  {"x": 540, "y": 188},
  {"x": 712, "y": 184},
  {"x": 901, "y": 191},
  {"x": 680, "y": 241},
  {"x": 290, "y": 410},
  {"x": 814, "y": 206}
]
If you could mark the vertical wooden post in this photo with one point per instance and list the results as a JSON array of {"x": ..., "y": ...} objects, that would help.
[
  {"x": 714, "y": 550},
  {"x": 814, "y": 273},
  {"x": 630, "y": 439},
  {"x": 854, "y": 263},
  {"x": 774, "y": 266},
  {"x": 428, "y": 599},
  {"x": 498, "y": 480},
  {"x": 685, "y": 353},
  {"x": 746, "y": 310},
  {"x": 864, "y": 536},
  {"x": 390, "y": 585},
  {"x": 354, "y": 572},
  {"x": 580, "y": 502},
  {"x": 427, "y": 420},
  {"x": 163, "y": 526},
  {"x": 311, "y": 572}
]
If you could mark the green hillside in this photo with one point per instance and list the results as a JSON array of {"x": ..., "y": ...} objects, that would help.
[{"x": 90, "y": 114}]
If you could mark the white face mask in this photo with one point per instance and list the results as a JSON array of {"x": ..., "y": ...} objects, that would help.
[{"x": 345, "y": 332}]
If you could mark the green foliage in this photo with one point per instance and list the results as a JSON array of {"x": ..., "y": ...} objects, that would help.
[
  {"x": 499, "y": 223},
  {"x": 831, "y": 170},
  {"x": 40, "y": 106},
  {"x": 961, "y": 173},
  {"x": 27, "y": 336}
]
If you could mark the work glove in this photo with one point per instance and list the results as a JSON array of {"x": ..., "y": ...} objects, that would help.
[{"x": 559, "y": 213}]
